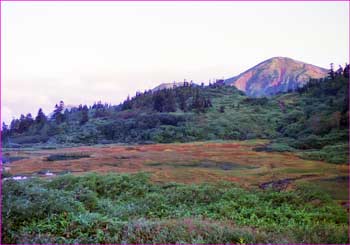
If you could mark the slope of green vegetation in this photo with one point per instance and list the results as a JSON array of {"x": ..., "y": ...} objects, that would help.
[
  {"x": 118, "y": 208},
  {"x": 312, "y": 120}
]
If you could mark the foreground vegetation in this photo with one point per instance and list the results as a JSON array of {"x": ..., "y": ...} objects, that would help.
[{"x": 119, "y": 208}]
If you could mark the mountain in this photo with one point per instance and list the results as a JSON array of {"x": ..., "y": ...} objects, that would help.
[{"x": 277, "y": 74}]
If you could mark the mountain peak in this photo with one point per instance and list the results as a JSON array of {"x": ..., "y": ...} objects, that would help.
[
  {"x": 277, "y": 74},
  {"x": 280, "y": 58},
  {"x": 167, "y": 86}
]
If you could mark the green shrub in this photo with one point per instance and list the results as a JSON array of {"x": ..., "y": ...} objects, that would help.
[
  {"x": 276, "y": 147},
  {"x": 121, "y": 208},
  {"x": 338, "y": 154},
  {"x": 87, "y": 197},
  {"x": 23, "y": 202}
]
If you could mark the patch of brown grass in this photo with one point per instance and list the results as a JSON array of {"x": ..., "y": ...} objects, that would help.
[{"x": 130, "y": 159}]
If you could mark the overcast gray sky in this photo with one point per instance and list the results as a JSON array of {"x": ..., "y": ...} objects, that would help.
[{"x": 81, "y": 52}]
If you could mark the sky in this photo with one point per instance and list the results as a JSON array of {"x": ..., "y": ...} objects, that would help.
[{"x": 83, "y": 52}]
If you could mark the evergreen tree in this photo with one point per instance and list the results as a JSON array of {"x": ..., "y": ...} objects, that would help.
[
  {"x": 66, "y": 114},
  {"x": 4, "y": 132},
  {"x": 182, "y": 103},
  {"x": 84, "y": 115},
  {"x": 331, "y": 72},
  {"x": 40, "y": 118},
  {"x": 4, "y": 127},
  {"x": 25, "y": 122},
  {"x": 346, "y": 71},
  {"x": 208, "y": 103},
  {"x": 158, "y": 102},
  {"x": 14, "y": 126},
  {"x": 170, "y": 104},
  {"x": 127, "y": 105},
  {"x": 340, "y": 70},
  {"x": 29, "y": 120},
  {"x": 199, "y": 102},
  {"x": 22, "y": 124},
  {"x": 58, "y": 115}
]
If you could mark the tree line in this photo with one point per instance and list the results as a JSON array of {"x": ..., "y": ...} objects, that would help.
[{"x": 188, "y": 97}]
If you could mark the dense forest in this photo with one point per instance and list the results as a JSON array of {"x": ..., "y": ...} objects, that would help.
[{"x": 313, "y": 119}]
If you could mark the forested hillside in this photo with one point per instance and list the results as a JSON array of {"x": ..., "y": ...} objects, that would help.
[{"x": 313, "y": 119}]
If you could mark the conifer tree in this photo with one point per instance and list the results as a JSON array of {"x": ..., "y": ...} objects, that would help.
[
  {"x": 58, "y": 115},
  {"x": 40, "y": 118},
  {"x": 84, "y": 115},
  {"x": 4, "y": 132}
]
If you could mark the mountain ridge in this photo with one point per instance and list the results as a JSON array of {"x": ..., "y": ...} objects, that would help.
[{"x": 269, "y": 77}]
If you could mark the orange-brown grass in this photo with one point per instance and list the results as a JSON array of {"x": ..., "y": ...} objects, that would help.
[{"x": 185, "y": 163}]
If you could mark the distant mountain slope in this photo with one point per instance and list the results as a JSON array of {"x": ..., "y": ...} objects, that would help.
[
  {"x": 278, "y": 74},
  {"x": 169, "y": 85}
]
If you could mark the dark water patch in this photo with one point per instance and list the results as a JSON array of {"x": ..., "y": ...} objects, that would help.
[
  {"x": 7, "y": 159},
  {"x": 225, "y": 165},
  {"x": 262, "y": 148},
  {"x": 155, "y": 164},
  {"x": 282, "y": 184},
  {"x": 121, "y": 157},
  {"x": 62, "y": 157},
  {"x": 206, "y": 164},
  {"x": 48, "y": 147},
  {"x": 278, "y": 185},
  {"x": 338, "y": 179},
  {"x": 113, "y": 164},
  {"x": 131, "y": 148}
]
